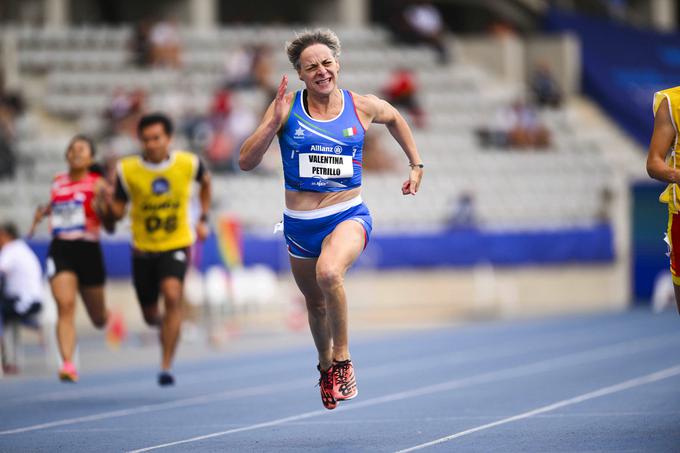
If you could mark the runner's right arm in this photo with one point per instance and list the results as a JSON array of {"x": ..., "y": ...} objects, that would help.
[
  {"x": 662, "y": 140},
  {"x": 40, "y": 213},
  {"x": 257, "y": 144}
]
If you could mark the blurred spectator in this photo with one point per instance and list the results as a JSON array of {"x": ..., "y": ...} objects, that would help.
[
  {"x": 197, "y": 129},
  {"x": 617, "y": 9},
  {"x": 401, "y": 91},
  {"x": 165, "y": 44},
  {"x": 262, "y": 70},
  {"x": 239, "y": 68},
  {"x": 140, "y": 45},
  {"x": 544, "y": 87},
  {"x": 230, "y": 124},
  {"x": 250, "y": 67},
  {"x": 604, "y": 209},
  {"x": 419, "y": 21},
  {"x": 221, "y": 105},
  {"x": 463, "y": 215},
  {"x": 120, "y": 105},
  {"x": 515, "y": 126},
  {"x": 376, "y": 158},
  {"x": 20, "y": 284},
  {"x": 7, "y": 158},
  {"x": 492, "y": 137},
  {"x": 501, "y": 29},
  {"x": 125, "y": 110},
  {"x": 526, "y": 129},
  {"x": 11, "y": 107}
]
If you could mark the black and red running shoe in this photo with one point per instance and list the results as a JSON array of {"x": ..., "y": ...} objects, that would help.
[{"x": 326, "y": 388}]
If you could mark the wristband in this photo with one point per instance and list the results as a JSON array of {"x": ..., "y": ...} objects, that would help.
[
  {"x": 203, "y": 218},
  {"x": 416, "y": 165}
]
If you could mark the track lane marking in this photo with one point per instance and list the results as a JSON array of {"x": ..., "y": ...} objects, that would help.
[
  {"x": 610, "y": 351},
  {"x": 198, "y": 377},
  {"x": 604, "y": 391}
]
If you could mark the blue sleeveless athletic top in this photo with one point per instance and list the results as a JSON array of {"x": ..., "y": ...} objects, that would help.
[{"x": 322, "y": 155}]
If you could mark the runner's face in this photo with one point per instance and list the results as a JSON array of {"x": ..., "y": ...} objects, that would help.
[
  {"x": 319, "y": 69},
  {"x": 155, "y": 142},
  {"x": 79, "y": 155}
]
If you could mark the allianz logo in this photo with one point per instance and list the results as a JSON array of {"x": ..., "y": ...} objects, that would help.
[{"x": 337, "y": 149}]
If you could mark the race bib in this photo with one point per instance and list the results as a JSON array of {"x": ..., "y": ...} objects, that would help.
[
  {"x": 325, "y": 166},
  {"x": 68, "y": 216}
]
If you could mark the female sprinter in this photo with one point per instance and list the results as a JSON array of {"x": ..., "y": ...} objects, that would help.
[
  {"x": 321, "y": 134},
  {"x": 75, "y": 262}
]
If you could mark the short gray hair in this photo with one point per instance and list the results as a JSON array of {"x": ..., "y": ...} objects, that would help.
[{"x": 308, "y": 38}]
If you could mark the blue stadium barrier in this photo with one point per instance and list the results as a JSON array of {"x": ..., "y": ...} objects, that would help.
[
  {"x": 649, "y": 221},
  {"x": 456, "y": 248},
  {"x": 623, "y": 66}
]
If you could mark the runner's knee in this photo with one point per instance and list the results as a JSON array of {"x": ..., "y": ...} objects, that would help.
[
  {"x": 329, "y": 277},
  {"x": 151, "y": 316},
  {"x": 66, "y": 309},
  {"x": 172, "y": 304}
]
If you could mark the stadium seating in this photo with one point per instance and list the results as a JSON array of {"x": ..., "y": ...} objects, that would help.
[{"x": 83, "y": 67}]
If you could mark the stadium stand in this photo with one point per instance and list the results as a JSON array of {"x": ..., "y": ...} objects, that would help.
[{"x": 81, "y": 68}]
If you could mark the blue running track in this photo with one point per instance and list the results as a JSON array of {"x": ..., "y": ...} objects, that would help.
[{"x": 598, "y": 383}]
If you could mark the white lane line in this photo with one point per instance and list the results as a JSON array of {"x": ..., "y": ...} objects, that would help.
[
  {"x": 488, "y": 352},
  {"x": 606, "y": 352},
  {"x": 193, "y": 401},
  {"x": 278, "y": 421},
  {"x": 198, "y": 377},
  {"x": 620, "y": 387},
  {"x": 416, "y": 364},
  {"x": 114, "y": 388},
  {"x": 419, "y": 363}
]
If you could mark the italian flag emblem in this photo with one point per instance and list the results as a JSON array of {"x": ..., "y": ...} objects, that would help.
[{"x": 349, "y": 132}]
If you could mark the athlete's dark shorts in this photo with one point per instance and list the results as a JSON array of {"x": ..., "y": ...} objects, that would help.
[
  {"x": 83, "y": 258},
  {"x": 150, "y": 268}
]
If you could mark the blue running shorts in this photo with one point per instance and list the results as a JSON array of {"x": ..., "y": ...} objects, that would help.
[{"x": 306, "y": 230}]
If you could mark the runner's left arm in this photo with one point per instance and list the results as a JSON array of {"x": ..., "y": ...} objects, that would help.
[
  {"x": 40, "y": 212},
  {"x": 382, "y": 112},
  {"x": 103, "y": 192},
  {"x": 204, "y": 197}
]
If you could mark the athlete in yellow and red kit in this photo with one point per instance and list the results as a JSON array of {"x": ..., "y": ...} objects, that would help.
[{"x": 663, "y": 164}]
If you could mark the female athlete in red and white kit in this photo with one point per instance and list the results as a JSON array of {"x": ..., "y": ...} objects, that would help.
[{"x": 75, "y": 262}]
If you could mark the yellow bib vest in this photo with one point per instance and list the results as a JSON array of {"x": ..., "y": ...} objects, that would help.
[
  {"x": 671, "y": 195},
  {"x": 159, "y": 197}
]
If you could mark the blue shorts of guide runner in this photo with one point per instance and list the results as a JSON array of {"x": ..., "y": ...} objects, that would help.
[{"x": 306, "y": 230}]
